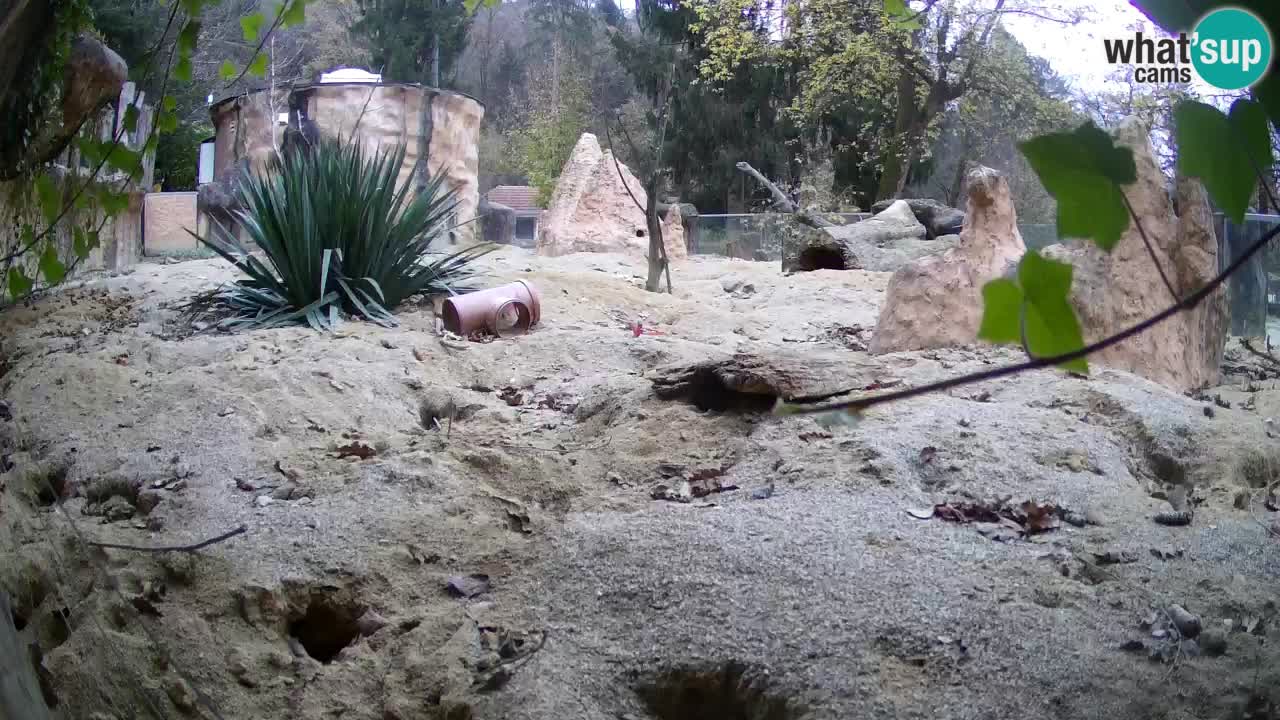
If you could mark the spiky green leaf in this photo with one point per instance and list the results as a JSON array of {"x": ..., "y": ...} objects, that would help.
[
  {"x": 228, "y": 71},
  {"x": 182, "y": 69}
]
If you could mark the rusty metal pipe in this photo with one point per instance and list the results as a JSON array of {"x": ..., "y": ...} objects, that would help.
[{"x": 512, "y": 307}]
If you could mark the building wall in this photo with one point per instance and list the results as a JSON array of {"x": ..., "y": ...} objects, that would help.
[{"x": 166, "y": 219}]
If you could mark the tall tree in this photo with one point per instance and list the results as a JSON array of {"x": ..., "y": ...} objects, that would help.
[
  {"x": 1014, "y": 97},
  {"x": 414, "y": 40}
]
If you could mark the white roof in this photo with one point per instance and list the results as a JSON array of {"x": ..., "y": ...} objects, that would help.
[{"x": 346, "y": 75}]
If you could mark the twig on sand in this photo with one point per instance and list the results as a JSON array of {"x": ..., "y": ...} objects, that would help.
[
  {"x": 175, "y": 548},
  {"x": 1260, "y": 354}
]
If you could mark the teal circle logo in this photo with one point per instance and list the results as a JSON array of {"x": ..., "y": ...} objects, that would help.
[{"x": 1232, "y": 48}]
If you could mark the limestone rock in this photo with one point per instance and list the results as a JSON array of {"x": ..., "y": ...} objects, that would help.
[
  {"x": 853, "y": 247},
  {"x": 95, "y": 74},
  {"x": 938, "y": 219},
  {"x": 673, "y": 234},
  {"x": 936, "y": 301},
  {"x": 592, "y": 211},
  {"x": 1113, "y": 291}
]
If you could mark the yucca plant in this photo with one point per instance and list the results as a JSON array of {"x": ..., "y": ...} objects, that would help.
[{"x": 337, "y": 237}]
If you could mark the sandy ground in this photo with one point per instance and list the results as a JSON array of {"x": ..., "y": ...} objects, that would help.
[{"x": 584, "y": 597}]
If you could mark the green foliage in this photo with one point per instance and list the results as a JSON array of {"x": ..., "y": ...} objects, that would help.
[
  {"x": 338, "y": 236},
  {"x": 50, "y": 266},
  {"x": 1035, "y": 306},
  {"x": 49, "y": 196},
  {"x": 251, "y": 26},
  {"x": 550, "y": 130},
  {"x": 401, "y": 35},
  {"x": 19, "y": 283},
  {"x": 258, "y": 68},
  {"x": 1085, "y": 170},
  {"x": 1225, "y": 151},
  {"x": 177, "y": 155}
]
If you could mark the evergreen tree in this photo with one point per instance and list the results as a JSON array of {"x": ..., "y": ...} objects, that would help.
[{"x": 414, "y": 40}]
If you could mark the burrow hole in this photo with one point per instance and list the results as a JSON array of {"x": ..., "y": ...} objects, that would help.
[
  {"x": 727, "y": 692},
  {"x": 820, "y": 259},
  {"x": 708, "y": 392},
  {"x": 49, "y": 485},
  {"x": 327, "y": 626}
]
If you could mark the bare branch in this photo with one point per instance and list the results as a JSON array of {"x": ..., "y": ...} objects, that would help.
[{"x": 175, "y": 548}]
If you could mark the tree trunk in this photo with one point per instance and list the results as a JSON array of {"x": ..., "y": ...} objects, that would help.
[
  {"x": 657, "y": 248},
  {"x": 895, "y": 168}
]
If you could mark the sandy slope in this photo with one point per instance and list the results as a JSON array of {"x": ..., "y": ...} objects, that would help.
[{"x": 824, "y": 600}]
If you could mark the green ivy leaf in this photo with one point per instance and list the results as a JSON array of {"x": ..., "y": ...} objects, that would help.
[
  {"x": 1042, "y": 292},
  {"x": 901, "y": 15},
  {"x": 51, "y": 267},
  {"x": 228, "y": 71},
  {"x": 169, "y": 103},
  {"x": 125, "y": 160},
  {"x": 258, "y": 68},
  {"x": 251, "y": 26},
  {"x": 92, "y": 150},
  {"x": 1001, "y": 312},
  {"x": 1267, "y": 91},
  {"x": 473, "y": 5},
  {"x": 1084, "y": 170},
  {"x": 113, "y": 203},
  {"x": 1052, "y": 327},
  {"x": 167, "y": 123},
  {"x": 50, "y": 197},
  {"x": 1225, "y": 152},
  {"x": 189, "y": 39},
  {"x": 295, "y": 14},
  {"x": 80, "y": 242},
  {"x": 19, "y": 283},
  {"x": 182, "y": 70},
  {"x": 131, "y": 118}
]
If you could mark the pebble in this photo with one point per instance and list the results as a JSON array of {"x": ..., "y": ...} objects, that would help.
[
  {"x": 1187, "y": 623},
  {"x": 180, "y": 693},
  {"x": 263, "y": 500}
]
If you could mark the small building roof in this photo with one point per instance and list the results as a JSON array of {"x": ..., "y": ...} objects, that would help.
[{"x": 521, "y": 198}]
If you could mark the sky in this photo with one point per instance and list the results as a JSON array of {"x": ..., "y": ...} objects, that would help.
[{"x": 1076, "y": 51}]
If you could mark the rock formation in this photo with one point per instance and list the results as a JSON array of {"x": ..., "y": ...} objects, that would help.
[
  {"x": 936, "y": 301},
  {"x": 1116, "y": 290},
  {"x": 591, "y": 210},
  {"x": 938, "y": 219},
  {"x": 881, "y": 242}
]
